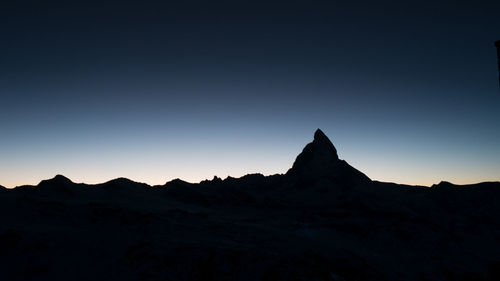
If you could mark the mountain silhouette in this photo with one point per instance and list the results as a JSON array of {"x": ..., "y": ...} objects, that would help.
[
  {"x": 58, "y": 183},
  {"x": 318, "y": 156},
  {"x": 321, "y": 220},
  {"x": 319, "y": 160}
]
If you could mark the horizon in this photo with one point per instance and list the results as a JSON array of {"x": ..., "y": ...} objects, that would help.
[
  {"x": 222, "y": 177},
  {"x": 407, "y": 92}
]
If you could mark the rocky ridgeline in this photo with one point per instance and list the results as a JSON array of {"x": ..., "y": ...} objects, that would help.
[{"x": 322, "y": 220}]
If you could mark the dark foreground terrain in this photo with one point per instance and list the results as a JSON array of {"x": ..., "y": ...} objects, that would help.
[{"x": 322, "y": 220}]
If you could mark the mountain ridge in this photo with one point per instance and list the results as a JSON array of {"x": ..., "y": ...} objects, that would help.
[
  {"x": 318, "y": 158},
  {"x": 322, "y": 220}
]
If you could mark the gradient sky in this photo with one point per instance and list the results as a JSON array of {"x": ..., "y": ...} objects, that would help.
[{"x": 406, "y": 90}]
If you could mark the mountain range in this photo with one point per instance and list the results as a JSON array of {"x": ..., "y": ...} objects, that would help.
[{"x": 321, "y": 220}]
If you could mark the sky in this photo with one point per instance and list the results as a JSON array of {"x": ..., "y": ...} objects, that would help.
[{"x": 407, "y": 91}]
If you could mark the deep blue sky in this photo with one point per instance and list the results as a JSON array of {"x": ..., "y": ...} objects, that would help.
[{"x": 406, "y": 90}]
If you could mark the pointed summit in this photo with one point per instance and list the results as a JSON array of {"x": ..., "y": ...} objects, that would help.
[
  {"x": 319, "y": 134},
  {"x": 324, "y": 144},
  {"x": 319, "y": 159},
  {"x": 319, "y": 155}
]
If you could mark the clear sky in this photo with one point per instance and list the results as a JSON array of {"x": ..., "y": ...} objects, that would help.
[{"x": 406, "y": 90}]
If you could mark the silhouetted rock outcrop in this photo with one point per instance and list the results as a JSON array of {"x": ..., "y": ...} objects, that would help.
[
  {"x": 57, "y": 180},
  {"x": 319, "y": 163},
  {"x": 317, "y": 158},
  {"x": 322, "y": 220},
  {"x": 59, "y": 184},
  {"x": 123, "y": 184}
]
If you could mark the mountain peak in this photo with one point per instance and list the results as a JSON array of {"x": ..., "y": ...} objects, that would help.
[
  {"x": 319, "y": 135},
  {"x": 319, "y": 159},
  {"x": 323, "y": 143},
  {"x": 58, "y": 183},
  {"x": 59, "y": 179},
  {"x": 318, "y": 155}
]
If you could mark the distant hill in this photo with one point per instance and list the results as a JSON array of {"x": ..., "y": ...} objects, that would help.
[{"x": 322, "y": 220}]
